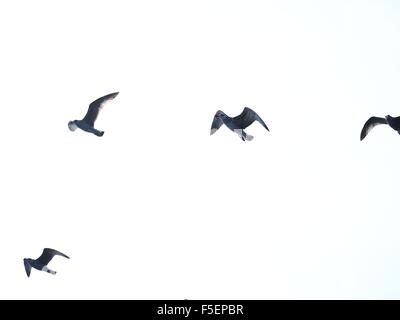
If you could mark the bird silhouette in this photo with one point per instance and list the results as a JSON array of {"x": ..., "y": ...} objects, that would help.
[
  {"x": 41, "y": 262},
  {"x": 238, "y": 123},
  {"x": 393, "y": 122},
  {"x": 87, "y": 123}
]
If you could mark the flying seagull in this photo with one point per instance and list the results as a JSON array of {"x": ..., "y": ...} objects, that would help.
[
  {"x": 372, "y": 122},
  {"x": 41, "y": 262},
  {"x": 238, "y": 123},
  {"x": 87, "y": 123}
]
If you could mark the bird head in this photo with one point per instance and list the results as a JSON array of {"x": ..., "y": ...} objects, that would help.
[{"x": 72, "y": 125}]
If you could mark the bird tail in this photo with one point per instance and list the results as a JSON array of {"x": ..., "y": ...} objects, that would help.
[
  {"x": 243, "y": 135},
  {"x": 45, "y": 269}
]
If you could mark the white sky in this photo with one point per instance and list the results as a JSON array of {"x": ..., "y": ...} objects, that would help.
[{"x": 158, "y": 209}]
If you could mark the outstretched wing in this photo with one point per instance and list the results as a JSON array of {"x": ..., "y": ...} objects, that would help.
[
  {"x": 216, "y": 124},
  {"x": 48, "y": 254},
  {"x": 27, "y": 268},
  {"x": 95, "y": 107},
  {"x": 247, "y": 117},
  {"x": 371, "y": 123}
]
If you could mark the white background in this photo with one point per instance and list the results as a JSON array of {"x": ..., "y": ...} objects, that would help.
[{"x": 158, "y": 209}]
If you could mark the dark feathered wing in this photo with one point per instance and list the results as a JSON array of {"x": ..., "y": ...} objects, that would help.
[
  {"x": 28, "y": 267},
  {"x": 216, "y": 124},
  {"x": 95, "y": 107},
  {"x": 48, "y": 254},
  {"x": 247, "y": 117},
  {"x": 370, "y": 124}
]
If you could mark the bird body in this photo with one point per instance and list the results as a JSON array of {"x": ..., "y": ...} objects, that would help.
[
  {"x": 237, "y": 124},
  {"x": 37, "y": 265},
  {"x": 87, "y": 123},
  {"x": 41, "y": 262},
  {"x": 393, "y": 122},
  {"x": 85, "y": 127}
]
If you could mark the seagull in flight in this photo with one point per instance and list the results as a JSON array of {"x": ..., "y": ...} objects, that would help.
[
  {"x": 87, "y": 123},
  {"x": 238, "y": 123},
  {"x": 41, "y": 262},
  {"x": 372, "y": 122}
]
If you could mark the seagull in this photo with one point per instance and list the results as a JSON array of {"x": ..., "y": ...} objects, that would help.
[
  {"x": 238, "y": 123},
  {"x": 41, "y": 262},
  {"x": 372, "y": 122},
  {"x": 87, "y": 123}
]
